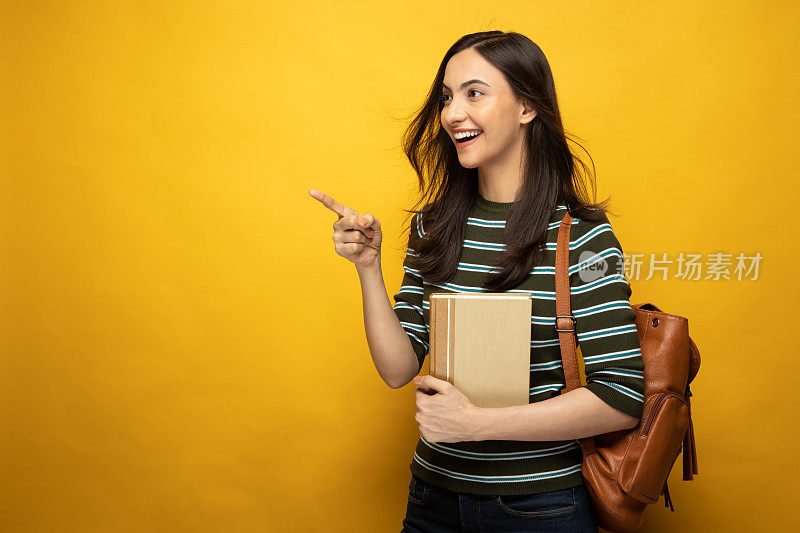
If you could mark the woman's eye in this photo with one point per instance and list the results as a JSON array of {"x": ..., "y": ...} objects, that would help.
[{"x": 444, "y": 96}]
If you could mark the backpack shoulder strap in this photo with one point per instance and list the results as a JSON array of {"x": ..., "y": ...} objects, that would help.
[{"x": 565, "y": 321}]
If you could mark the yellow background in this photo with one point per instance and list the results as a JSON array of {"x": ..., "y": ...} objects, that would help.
[{"x": 182, "y": 350}]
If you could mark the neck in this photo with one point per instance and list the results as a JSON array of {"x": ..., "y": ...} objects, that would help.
[{"x": 499, "y": 180}]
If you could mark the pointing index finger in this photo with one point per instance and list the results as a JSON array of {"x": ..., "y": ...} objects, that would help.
[{"x": 329, "y": 202}]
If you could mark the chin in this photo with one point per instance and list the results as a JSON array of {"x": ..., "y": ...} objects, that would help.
[{"x": 471, "y": 162}]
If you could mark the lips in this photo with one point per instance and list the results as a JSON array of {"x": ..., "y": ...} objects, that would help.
[{"x": 468, "y": 139}]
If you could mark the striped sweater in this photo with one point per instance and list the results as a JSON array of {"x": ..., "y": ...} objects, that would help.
[{"x": 606, "y": 333}]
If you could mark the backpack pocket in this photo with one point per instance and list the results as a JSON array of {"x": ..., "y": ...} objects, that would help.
[{"x": 653, "y": 447}]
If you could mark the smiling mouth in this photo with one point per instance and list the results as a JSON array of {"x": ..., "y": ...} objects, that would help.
[{"x": 468, "y": 139}]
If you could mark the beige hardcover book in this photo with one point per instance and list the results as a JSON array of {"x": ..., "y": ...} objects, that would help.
[{"x": 481, "y": 343}]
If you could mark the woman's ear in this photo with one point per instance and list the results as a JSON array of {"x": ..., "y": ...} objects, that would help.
[{"x": 528, "y": 113}]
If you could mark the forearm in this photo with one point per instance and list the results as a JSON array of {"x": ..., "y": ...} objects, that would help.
[
  {"x": 573, "y": 415},
  {"x": 391, "y": 350}
]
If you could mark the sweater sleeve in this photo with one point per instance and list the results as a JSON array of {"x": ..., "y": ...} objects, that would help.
[
  {"x": 606, "y": 322},
  {"x": 408, "y": 301}
]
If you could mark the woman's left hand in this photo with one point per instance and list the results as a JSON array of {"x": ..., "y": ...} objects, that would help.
[{"x": 447, "y": 416}]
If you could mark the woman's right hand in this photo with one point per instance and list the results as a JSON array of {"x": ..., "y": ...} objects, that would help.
[{"x": 356, "y": 238}]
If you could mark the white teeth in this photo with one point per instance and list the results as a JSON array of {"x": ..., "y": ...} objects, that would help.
[{"x": 464, "y": 134}]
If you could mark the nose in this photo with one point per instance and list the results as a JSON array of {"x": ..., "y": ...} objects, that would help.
[{"x": 453, "y": 113}]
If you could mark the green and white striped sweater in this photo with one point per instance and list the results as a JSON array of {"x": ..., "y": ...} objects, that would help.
[{"x": 607, "y": 337}]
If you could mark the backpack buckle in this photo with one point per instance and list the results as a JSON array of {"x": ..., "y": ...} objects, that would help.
[{"x": 574, "y": 321}]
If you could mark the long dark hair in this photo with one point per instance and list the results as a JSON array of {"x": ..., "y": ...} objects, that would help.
[{"x": 551, "y": 172}]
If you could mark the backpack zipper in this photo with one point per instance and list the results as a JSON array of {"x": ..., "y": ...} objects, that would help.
[{"x": 656, "y": 406}]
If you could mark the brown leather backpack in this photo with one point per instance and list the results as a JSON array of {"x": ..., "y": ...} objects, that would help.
[{"x": 628, "y": 469}]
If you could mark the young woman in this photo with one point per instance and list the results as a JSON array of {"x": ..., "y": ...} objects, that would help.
[{"x": 496, "y": 176}]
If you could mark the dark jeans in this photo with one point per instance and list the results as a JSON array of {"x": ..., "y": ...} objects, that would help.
[{"x": 434, "y": 509}]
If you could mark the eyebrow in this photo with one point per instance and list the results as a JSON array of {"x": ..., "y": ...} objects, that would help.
[{"x": 468, "y": 83}]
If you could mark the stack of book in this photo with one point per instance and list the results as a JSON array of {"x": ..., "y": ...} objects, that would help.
[{"x": 481, "y": 343}]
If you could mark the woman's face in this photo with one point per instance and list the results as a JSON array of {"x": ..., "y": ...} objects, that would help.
[{"x": 476, "y": 96}]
